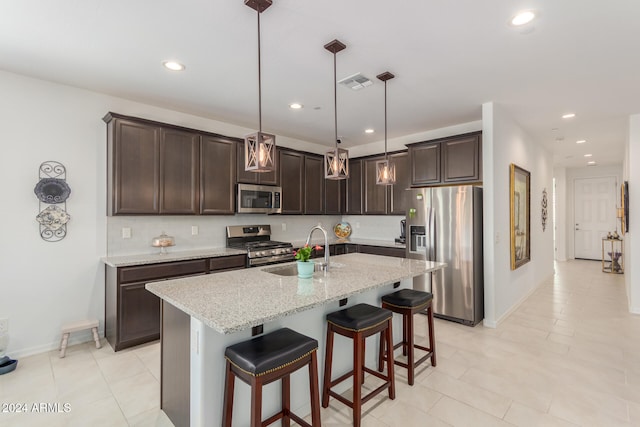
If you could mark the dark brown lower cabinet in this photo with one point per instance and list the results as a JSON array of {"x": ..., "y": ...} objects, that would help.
[
  {"x": 382, "y": 250},
  {"x": 132, "y": 314}
]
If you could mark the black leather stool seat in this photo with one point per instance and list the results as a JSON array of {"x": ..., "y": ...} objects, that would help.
[
  {"x": 359, "y": 317},
  {"x": 269, "y": 352},
  {"x": 408, "y": 298}
]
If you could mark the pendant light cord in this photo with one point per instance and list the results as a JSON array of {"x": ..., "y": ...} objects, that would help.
[
  {"x": 335, "y": 100},
  {"x": 259, "y": 77},
  {"x": 386, "y": 156}
]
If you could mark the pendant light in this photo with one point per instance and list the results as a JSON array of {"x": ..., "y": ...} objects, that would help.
[
  {"x": 336, "y": 161},
  {"x": 259, "y": 147},
  {"x": 385, "y": 169}
]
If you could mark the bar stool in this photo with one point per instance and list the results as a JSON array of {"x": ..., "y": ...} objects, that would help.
[
  {"x": 268, "y": 358},
  {"x": 358, "y": 322},
  {"x": 408, "y": 302}
]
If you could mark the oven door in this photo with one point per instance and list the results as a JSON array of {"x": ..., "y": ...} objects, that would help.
[{"x": 259, "y": 199}]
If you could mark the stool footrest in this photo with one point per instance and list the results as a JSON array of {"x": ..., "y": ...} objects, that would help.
[{"x": 280, "y": 415}]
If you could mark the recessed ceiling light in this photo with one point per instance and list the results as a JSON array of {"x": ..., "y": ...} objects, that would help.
[
  {"x": 523, "y": 18},
  {"x": 581, "y": 141},
  {"x": 588, "y": 155},
  {"x": 569, "y": 116},
  {"x": 591, "y": 163},
  {"x": 369, "y": 131},
  {"x": 296, "y": 106},
  {"x": 173, "y": 65}
]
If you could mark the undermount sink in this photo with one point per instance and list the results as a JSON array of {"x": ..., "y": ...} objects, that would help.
[{"x": 292, "y": 270}]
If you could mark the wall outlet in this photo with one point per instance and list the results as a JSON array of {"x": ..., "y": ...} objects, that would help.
[
  {"x": 357, "y": 225},
  {"x": 126, "y": 232},
  {"x": 284, "y": 226},
  {"x": 4, "y": 325},
  {"x": 194, "y": 230},
  {"x": 497, "y": 237}
]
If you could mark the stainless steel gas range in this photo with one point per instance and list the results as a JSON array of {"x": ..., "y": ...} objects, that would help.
[{"x": 256, "y": 240}]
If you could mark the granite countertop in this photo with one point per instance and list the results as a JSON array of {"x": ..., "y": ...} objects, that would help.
[
  {"x": 232, "y": 301},
  {"x": 128, "y": 260},
  {"x": 317, "y": 240}
]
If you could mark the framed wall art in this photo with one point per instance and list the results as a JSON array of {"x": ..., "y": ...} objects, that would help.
[{"x": 520, "y": 203}]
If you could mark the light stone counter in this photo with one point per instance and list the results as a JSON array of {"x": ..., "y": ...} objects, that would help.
[
  {"x": 317, "y": 240},
  {"x": 128, "y": 260},
  {"x": 237, "y": 300}
]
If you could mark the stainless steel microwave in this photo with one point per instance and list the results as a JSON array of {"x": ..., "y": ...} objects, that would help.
[{"x": 259, "y": 199}]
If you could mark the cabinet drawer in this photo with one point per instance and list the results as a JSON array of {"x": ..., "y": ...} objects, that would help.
[
  {"x": 227, "y": 262},
  {"x": 382, "y": 250},
  {"x": 161, "y": 271}
]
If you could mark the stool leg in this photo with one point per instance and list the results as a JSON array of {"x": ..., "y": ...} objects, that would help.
[
  {"x": 381, "y": 353},
  {"x": 405, "y": 337},
  {"x": 432, "y": 337},
  {"x": 364, "y": 351},
  {"x": 228, "y": 396},
  {"x": 390, "y": 362},
  {"x": 286, "y": 401},
  {"x": 63, "y": 344},
  {"x": 256, "y": 402},
  {"x": 357, "y": 379},
  {"x": 96, "y": 338},
  {"x": 408, "y": 321},
  {"x": 313, "y": 384},
  {"x": 328, "y": 356}
]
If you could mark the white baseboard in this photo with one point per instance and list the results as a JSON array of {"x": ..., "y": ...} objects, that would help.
[
  {"x": 74, "y": 338},
  {"x": 634, "y": 310},
  {"x": 494, "y": 323}
]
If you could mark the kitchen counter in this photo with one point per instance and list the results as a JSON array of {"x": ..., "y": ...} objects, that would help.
[
  {"x": 317, "y": 240},
  {"x": 128, "y": 260},
  {"x": 237, "y": 300},
  {"x": 202, "y": 315}
]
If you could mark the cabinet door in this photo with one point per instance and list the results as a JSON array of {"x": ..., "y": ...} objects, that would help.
[
  {"x": 425, "y": 164},
  {"x": 218, "y": 176},
  {"x": 139, "y": 315},
  {"x": 382, "y": 250},
  {"x": 350, "y": 248},
  {"x": 179, "y": 172},
  {"x": 398, "y": 194},
  {"x": 354, "y": 188},
  {"x": 461, "y": 159},
  {"x": 313, "y": 184},
  {"x": 264, "y": 178},
  {"x": 334, "y": 196},
  {"x": 375, "y": 196},
  {"x": 291, "y": 180},
  {"x": 135, "y": 167}
]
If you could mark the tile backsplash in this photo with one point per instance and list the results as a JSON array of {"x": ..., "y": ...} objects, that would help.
[{"x": 211, "y": 229}]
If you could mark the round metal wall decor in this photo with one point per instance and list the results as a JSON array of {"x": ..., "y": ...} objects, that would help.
[
  {"x": 544, "y": 209},
  {"x": 52, "y": 191}
]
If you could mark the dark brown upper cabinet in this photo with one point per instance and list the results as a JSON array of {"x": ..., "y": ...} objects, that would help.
[
  {"x": 291, "y": 170},
  {"x": 425, "y": 164},
  {"x": 248, "y": 177},
  {"x": 334, "y": 195},
  {"x": 353, "y": 188},
  {"x": 455, "y": 159},
  {"x": 313, "y": 185},
  {"x": 133, "y": 168},
  {"x": 398, "y": 194},
  {"x": 462, "y": 159},
  {"x": 375, "y": 196},
  {"x": 217, "y": 176},
  {"x": 179, "y": 172}
]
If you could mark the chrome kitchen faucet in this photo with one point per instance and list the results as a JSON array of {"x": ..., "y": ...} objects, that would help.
[{"x": 325, "y": 264}]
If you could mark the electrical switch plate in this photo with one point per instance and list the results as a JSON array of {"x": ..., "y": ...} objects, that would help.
[
  {"x": 126, "y": 232},
  {"x": 284, "y": 226},
  {"x": 194, "y": 230},
  {"x": 497, "y": 237},
  {"x": 357, "y": 225},
  {"x": 4, "y": 325}
]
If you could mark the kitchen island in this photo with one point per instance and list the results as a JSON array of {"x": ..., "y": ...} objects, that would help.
[{"x": 203, "y": 315}]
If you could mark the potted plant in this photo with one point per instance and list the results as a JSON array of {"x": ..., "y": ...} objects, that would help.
[{"x": 305, "y": 265}]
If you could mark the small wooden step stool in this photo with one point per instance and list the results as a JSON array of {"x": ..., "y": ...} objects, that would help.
[{"x": 75, "y": 327}]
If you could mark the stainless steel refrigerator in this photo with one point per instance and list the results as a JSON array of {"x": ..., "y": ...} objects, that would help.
[{"x": 444, "y": 224}]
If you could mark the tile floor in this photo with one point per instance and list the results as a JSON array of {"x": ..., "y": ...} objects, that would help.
[{"x": 569, "y": 355}]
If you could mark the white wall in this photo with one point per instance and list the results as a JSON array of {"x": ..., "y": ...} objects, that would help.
[
  {"x": 504, "y": 142},
  {"x": 43, "y": 284},
  {"x": 632, "y": 246},
  {"x": 560, "y": 223},
  {"x": 570, "y": 177}
]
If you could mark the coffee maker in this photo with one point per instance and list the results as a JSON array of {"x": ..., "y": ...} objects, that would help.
[{"x": 403, "y": 232}]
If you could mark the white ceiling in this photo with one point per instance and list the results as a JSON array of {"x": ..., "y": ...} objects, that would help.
[{"x": 449, "y": 57}]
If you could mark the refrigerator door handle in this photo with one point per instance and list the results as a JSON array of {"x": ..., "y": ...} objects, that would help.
[{"x": 431, "y": 236}]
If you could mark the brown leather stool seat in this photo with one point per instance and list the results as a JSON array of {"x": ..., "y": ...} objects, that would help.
[
  {"x": 268, "y": 358},
  {"x": 407, "y": 302},
  {"x": 358, "y": 322}
]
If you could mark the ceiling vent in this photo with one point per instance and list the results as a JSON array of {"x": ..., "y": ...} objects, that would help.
[{"x": 356, "y": 81}]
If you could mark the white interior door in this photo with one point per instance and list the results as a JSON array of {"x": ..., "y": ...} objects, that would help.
[{"x": 595, "y": 214}]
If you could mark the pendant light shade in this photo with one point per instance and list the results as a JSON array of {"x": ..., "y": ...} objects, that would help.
[
  {"x": 385, "y": 169},
  {"x": 259, "y": 147},
  {"x": 336, "y": 161}
]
